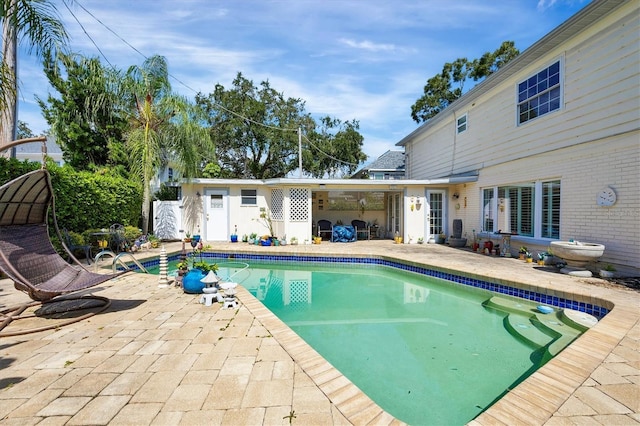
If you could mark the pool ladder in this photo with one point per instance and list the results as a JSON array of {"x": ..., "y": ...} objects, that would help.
[{"x": 118, "y": 260}]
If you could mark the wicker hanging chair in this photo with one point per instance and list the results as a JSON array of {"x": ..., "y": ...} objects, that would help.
[{"x": 30, "y": 260}]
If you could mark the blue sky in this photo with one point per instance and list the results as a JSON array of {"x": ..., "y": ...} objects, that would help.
[{"x": 366, "y": 60}]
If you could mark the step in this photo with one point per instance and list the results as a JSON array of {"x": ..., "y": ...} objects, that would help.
[
  {"x": 522, "y": 327},
  {"x": 508, "y": 305}
]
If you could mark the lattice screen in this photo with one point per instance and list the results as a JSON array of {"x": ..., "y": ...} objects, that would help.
[
  {"x": 299, "y": 211},
  {"x": 277, "y": 204}
]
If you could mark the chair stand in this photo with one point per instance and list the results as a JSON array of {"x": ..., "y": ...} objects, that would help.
[{"x": 57, "y": 308}]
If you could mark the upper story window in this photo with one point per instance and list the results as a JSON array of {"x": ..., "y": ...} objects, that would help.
[
  {"x": 539, "y": 94},
  {"x": 249, "y": 197},
  {"x": 461, "y": 124}
]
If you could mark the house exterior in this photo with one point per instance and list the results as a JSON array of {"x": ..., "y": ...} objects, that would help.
[
  {"x": 33, "y": 151},
  {"x": 388, "y": 166},
  {"x": 547, "y": 135},
  {"x": 216, "y": 208},
  {"x": 530, "y": 151}
]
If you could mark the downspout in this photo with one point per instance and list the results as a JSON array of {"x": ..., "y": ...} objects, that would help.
[{"x": 455, "y": 137}]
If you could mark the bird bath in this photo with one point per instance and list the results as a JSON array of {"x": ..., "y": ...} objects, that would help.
[{"x": 577, "y": 255}]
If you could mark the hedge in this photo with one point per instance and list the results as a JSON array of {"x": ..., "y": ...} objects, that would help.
[{"x": 85, "y": 200}]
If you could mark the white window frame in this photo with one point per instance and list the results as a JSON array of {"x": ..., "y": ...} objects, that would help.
[
  {"x": 248, "y": 199},
  {"x": 538, "y": 205},
  {"x": 539, "y": 93},
  {"x": 462, "y": 127}
]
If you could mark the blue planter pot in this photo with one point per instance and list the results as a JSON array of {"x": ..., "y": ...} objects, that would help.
[
  {"x": 191, "y": 282},
  {"x": 265, "y": 242},
  {"x": 196, "y": 238},
  {"x": 234, "y": 238}
]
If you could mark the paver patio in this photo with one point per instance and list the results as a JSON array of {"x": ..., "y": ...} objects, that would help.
[{"x": 157, "y": 356}]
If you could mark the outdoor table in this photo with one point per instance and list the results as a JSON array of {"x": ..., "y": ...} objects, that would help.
[{"x": 101, "y": 236}]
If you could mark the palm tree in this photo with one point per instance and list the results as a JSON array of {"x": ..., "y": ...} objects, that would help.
[
  {"x": 35, "y": 21},
  {"x": 163, "y": 127}
]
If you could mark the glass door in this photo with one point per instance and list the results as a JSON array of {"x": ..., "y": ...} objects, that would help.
[
  {"x": 435, "y": 213},
  {"x": 394, "y": 215}
]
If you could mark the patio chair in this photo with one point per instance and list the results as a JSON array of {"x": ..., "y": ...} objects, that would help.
[
  {"x": 73, "y": 247},
  {"x": 325, "y": 227},
  {"x": 29, "y": 259},
  {"x": 118, "y": 240},
  {"x": 361, "y": 228}
]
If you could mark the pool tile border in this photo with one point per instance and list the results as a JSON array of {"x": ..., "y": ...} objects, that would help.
[{"x": 512, "y": 289}]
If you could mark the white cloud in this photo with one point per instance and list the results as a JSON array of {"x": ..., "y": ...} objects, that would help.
[{"x": 368, "y": 45}]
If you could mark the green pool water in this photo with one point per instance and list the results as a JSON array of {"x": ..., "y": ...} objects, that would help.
[{"x": 424, "y": 349}]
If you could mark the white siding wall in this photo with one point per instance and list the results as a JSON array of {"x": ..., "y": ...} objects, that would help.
[{"x": 600, "y": 86}]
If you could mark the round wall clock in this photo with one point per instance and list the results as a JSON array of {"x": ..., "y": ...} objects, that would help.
[{"x": 606, "y": 197}]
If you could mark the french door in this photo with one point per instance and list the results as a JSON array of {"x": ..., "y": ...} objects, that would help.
[
  {"x": 436, "y": 218},
  {"x": 394, "y": 215}
]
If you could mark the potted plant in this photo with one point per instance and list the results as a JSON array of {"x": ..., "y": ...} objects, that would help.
[
  {"x": 522, "y": 252},
  {"x": 205, "y": 267},
  {"x": 420, "y": 240},
  {"x": 265, "y": 220},
  {"x": 541, "y": 257},
  {"x": 265, "y": 240},
  {"x": 245, "y": 238},
  {"x": 234, "y": 236},
  {"x": 252, "y": 238},
  {"x": 183, "y": 267},
  {"x": 529, "y": 257},
  {"x": 294, "y": 241},
  {"x": 442, "y": 237},
  {"x": 608, "y": 271},
  {"x": 155, "y": 241},
  {"x": 187, "y": 237}
]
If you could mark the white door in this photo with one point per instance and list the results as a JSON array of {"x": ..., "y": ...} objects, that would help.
[
  {"x": 436, "y": 218},
  {"x": 216, "y": 212}
]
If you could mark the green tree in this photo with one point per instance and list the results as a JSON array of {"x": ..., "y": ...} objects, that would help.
[
  {"x": 163, "y": 127},
  {"x": 87, "y": 114},
  {"x": 333, "y": 150},
  {"x": 255, "y": 133},
  {"x": 36, "y": 23},
  {"x": 444, "y": 88},
  {"x": 24, "y": 131}
]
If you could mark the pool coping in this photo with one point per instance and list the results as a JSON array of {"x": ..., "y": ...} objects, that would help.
[{"x": 534, "y": 401}]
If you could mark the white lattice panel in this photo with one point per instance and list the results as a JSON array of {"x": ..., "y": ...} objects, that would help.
[
  {"x": 277, "y": 204},
  {"x": 299, "y": 211}
]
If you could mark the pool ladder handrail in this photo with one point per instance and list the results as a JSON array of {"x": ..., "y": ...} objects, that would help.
[
  {"x": 118, "y": 259},
  {"x": 125, "y": 265}
]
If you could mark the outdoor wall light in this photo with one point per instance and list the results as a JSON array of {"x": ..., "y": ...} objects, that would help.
[{"x": 455, "y": 196}]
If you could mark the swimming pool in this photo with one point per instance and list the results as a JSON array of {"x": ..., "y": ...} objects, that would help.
[{"x": 421, "y": 333}]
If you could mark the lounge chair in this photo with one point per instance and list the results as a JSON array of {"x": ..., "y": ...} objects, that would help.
[
  {"x": 325, "y": 227},
  {"x": 361, "y": 228},
  {"x": 30, "y": 260}
]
